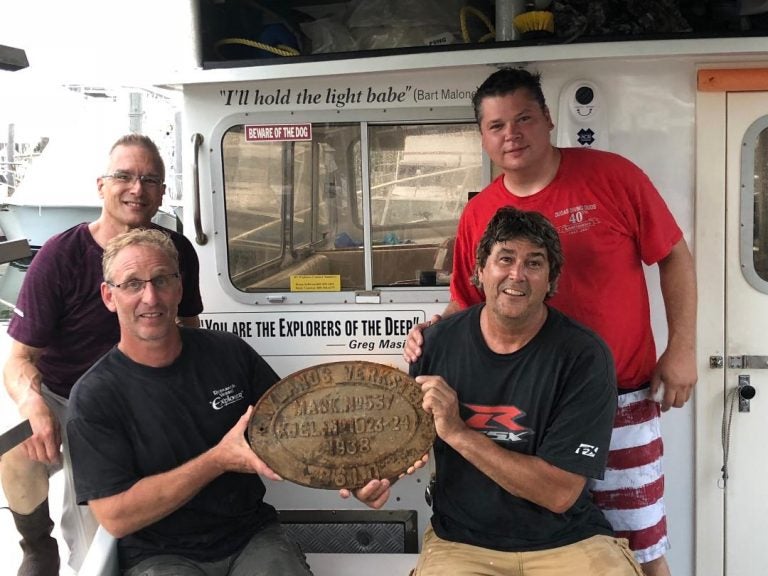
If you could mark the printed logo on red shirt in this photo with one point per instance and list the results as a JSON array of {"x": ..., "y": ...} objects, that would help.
[
  {"x": 499, "y": 423},
  {"x": 575, "y": 219}
]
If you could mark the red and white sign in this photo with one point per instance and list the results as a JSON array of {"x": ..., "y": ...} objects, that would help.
[{"x": 278, "y": 132}]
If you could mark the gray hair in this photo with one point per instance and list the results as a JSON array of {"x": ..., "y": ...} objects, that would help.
[{"x": 151, "y": 237}]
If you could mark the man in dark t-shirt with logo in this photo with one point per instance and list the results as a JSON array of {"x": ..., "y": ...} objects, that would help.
[
  {"x": 523, "y": 400},
  {"x": 59, "y": 328},
  {"x": 161, "y": 461}
]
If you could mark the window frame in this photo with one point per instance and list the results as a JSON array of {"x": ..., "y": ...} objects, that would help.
[
  {"x": 365, "y": 118},
  {"x": 747, "y": 204}
]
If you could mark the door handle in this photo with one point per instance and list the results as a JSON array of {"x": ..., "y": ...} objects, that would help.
[
  {"x": 745, "y": 391},
  {"x": 200, "y": 237}
]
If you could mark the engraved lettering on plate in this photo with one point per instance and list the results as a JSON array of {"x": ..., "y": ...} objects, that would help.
[{"x": 341, "y": 424}]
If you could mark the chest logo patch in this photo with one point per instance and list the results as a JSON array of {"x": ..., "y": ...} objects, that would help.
[
  {"x": 576, "y": 219},
  {"x": 499, "y": 423},
  {"x": 223, "y": 397}
]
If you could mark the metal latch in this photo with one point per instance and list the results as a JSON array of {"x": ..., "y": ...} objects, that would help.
[{"x": 748, "y": 362}]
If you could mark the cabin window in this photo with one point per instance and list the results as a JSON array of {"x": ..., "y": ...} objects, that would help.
[
  {"x": 314, "y": 208},
  {"x": 760, "y": 232},
  {"x": 754, "y": 205},
  {"x": 419, "y": 179},
  {"x": 284, "y": 205}
]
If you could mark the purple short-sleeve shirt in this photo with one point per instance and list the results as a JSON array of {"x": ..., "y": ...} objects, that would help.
[{"x": 60, "y": 309}]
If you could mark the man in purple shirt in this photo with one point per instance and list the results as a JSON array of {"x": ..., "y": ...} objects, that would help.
[{"x": 60, "y": 327}]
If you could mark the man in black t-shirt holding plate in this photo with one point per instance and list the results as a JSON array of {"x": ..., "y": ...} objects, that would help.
[{"x": 523, "y": 400}]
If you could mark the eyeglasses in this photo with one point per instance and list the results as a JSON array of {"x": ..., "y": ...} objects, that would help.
[
  {"x": 128, "y": 179},
  {"x": 136, "y": 286}
]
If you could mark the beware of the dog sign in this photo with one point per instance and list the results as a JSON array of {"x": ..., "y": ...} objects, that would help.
[{"x": 278, "y": 132}]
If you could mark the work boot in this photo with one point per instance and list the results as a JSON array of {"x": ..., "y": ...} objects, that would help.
[{"x": 41, "y": 552}]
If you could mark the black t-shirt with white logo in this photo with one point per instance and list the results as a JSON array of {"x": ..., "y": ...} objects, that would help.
[
  {"x": 127, "y": 421},
  {"x": 555, "y": 398}
]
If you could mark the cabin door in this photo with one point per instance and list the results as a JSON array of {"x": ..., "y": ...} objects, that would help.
[{"x": 745, "y": 360}]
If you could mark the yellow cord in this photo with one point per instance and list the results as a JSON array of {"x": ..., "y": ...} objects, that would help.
[
  {"x": 280, "y": 49},
  {"x": 466, "y": 10}
]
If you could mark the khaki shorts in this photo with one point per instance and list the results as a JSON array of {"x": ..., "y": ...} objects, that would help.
[{"x": 601, "y": 555}]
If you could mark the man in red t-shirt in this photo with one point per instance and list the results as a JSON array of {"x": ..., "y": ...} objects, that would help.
[{"x": 611, "y": 221}]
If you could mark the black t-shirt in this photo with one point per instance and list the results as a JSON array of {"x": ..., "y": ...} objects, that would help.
[
  {"x": 554, "y": 398},
  {"x": 127, "y": 421}
]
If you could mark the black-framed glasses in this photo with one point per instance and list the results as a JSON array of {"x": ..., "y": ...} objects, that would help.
[
  {"x": 135, "y": 285},
  {"x": 129, "y": 179}
]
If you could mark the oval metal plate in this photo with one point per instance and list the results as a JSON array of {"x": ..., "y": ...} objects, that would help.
[{"x": 341, "y": 424}]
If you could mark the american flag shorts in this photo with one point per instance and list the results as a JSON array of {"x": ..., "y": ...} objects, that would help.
[{"x": 631, "y": 495}]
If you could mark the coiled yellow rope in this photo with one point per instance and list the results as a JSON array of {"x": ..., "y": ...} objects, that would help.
[
  {"x": 470, "y": 10},
  {"x": 280, "y": 49}
]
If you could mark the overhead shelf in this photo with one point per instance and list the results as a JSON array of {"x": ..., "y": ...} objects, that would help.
[{"x": 710, "y": 50}]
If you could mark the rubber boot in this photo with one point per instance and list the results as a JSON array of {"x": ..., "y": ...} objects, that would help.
[{"x": 41, "y": 552}]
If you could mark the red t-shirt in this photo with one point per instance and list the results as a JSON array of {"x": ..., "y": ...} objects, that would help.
[{"x": 611, "y": 220}]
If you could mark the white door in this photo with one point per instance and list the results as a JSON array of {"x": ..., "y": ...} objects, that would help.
[{"x": 746, "y": 333}]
